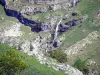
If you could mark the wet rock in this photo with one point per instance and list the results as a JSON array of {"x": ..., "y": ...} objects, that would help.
[
  {"x": 55, "y": 44},
  {"x": 39, "y": 27},
  {"x": 18, "y": 15},
  {"x": 63, "y": 28},
  {"x": 2, "y": 2},
  {"x": 66, "y": 26},
  {"x": 74, "y": 14}
]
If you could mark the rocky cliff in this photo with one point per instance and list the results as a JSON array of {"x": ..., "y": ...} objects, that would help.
[
  {"x": 30, "y": 7},
  {"x": 37, "y": 28}
]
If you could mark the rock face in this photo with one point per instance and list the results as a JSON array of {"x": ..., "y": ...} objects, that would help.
[
  {"x": 66, "y": 26},
  {"x": 35, "y": 27},
  {"x": 31, "y": 7},
  {"x": 70, "y": 70},
  {"x": 46, "y": 1},
  {"x": 38, "y": 47}
]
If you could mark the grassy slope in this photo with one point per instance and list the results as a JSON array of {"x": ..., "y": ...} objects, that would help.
[
  {"x": 85, "y": 8},
  {"x": 92, "y": 51},
  {"x": 35, "y": 68}
]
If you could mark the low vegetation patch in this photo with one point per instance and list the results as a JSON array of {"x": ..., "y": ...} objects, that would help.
[
  {"x": 59, "y": 55},
  {"x": 81, "y": 65}
]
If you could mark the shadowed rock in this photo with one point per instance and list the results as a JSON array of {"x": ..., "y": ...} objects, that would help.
[
  {"x": 66, "y": 26},
  {"x": 35, "y": 27}
]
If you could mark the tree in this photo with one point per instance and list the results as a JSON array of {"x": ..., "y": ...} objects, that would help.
[{"x": 10, "y": 63}]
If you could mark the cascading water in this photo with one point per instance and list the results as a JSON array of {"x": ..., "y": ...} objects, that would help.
[
  {"x": 38, "y": 27},
  {"x": 55, "y": 43},
  {"x": 56, "y": 31}
]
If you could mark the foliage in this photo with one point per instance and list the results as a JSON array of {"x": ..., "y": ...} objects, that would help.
[
  {"x": 33, "y": 65},
  {"x": 81, "y": 65},
  {"x": 10, "y": 63},
  {"x": 59, "y": 55}
]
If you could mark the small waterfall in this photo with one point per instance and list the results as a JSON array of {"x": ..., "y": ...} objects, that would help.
[
  {"x": 54, "y": 33},
  {"x": 74, "y": 2},
  {"x": 57, "y": 28}
]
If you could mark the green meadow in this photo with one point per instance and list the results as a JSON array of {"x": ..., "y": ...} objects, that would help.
[{"x": 34, "y": 67}]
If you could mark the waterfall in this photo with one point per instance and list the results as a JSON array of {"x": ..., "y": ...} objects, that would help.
[
  {"x": 74, "y": 2},
  {"x": 57, "y": 28}
]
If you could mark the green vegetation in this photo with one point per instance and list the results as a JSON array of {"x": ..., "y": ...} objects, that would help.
[
  {"x": 81, "y": 65},
  {"x": 4, "y": 18},
  {"x": 93, "y": 52},
  {"x": 59, "y": 55},
  {"x": 33, "y": 66},
  {"x": 88, "y": 9},
  {"x": 10, "y": 63},
  {"x": 42, "y": 16}
]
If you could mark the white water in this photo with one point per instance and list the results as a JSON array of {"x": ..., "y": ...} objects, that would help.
[{"x": 56, "y": 32}]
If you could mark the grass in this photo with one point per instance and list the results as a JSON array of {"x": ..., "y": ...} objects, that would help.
[
  {"x": 88, "y": 8},
  {"x": 3, "y": 14},
  {"x": 92, "y": 51},
  {"x": 42, "y": 16},
  {"x": 59, "y": 55},
  {"x": 35, "y": 68},
  {"x": 81, "y": 65},
  {"x": 26, "y": 33}
]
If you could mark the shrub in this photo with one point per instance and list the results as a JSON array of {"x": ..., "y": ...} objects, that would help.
[
  {"x": 59, "y": 55},
  {"x": 10, "y": 63},
  {"x": 81, "y": 65}
]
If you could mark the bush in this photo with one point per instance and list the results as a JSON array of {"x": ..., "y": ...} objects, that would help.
[
  {"x": 81, "y": 65},
  {"x": 10, "y": 63},
  {"x": 59, "y": 55}
]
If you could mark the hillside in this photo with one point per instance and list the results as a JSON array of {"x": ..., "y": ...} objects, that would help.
[{"x": 63, "y": 35}]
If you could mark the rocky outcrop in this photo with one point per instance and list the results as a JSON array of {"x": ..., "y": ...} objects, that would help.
[
  {"x": 35, "y": 27},
  {"x": 39, "y": 46},
  {"x": 34, "y": 47},
  {"x": 66, "y": 26},
  {"x": 31, "y": 7}
]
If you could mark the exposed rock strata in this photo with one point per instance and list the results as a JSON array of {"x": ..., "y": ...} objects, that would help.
[
  {"x": 30, "y": 7},
  {"x": 35, "y": 47}
]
